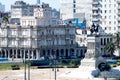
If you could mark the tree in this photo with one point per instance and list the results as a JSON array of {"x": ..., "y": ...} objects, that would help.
[
  {"x": 117, "y": 39},
  {"x": 110, "y": 48},
  {"x": 5, "y": 19}
]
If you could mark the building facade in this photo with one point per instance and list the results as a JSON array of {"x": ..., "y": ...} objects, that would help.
[
  {"x": 102, "y": 12},
  {"x": 36, "y": 42},
  {"x": 2, "y": 8},
  {"x": 38, "y": 14},
  {"x": 80, "y": 9},
  {"x": 20, "y": 9}
]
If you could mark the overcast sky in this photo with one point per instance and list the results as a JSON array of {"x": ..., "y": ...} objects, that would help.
[{"x": 53, "y": 3}]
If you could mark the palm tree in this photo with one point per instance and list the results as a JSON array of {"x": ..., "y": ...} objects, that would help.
[
  {"x": 110, "y": 48},
  {"x": 117, "y": 39},
  {"x": 5, "y": 19},
  {"x": 117, "y": 42}
]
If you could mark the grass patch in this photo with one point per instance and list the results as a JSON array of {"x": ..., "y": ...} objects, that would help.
[{"x": 9, "y": 66}]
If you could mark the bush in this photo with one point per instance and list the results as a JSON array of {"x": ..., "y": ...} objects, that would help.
[
  {"x": 15, "y": 67},
  {"x": 74, "y": 62},
  {"x": 64, "y": 61}
]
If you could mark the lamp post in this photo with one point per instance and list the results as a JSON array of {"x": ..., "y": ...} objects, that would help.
[
  {"x": 29, "y": 65},
  {"x": 24, "y": 66},
  {"x": 55, "y": 65}
]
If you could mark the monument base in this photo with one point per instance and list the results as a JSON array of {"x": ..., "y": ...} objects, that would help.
[
  {"x": 85, "y": 71},
  {"x": 88, "y": 63}
]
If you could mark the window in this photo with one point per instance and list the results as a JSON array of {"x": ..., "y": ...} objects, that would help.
[
  {"x": 105, "y": 5},
  {"x": 74, "y": 1},
  {"x": 114, "y": 28},
  {"x": 109, "y": 22},
  {"x": 105, "y": 11},
  {"x": 114, "y": 22},
  {"x": 109, "y": 28},
  {"x": 74, "y": 10},
  {"x": 114, "y": 5},
  {"x": 74, "y": 6},
  {"x": 105, "y": 17},
  {"x": 109, "y": 5},
  {"x": 109, "y": 11}
]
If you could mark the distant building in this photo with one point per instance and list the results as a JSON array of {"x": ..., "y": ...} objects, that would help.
[
  {"x": 41, "y": 14},
  {"x": 38, "y": 1},
  {"x": 81, "y": 9},
  {"x": 106, "y": 13},
  {"x": 2, "y": 7},
  {"x": 20, "y": 9}
]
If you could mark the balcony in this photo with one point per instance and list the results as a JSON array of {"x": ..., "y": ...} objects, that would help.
[
  {"x": 95, "y": 14},
  {"x": 95, "y": 2},
  {"x": 95, "y": 8},
  {"x": 95, "y": 19},
  {"x": 12, "y": 36},
  {"x": 5, "y": 45},
  {"x": 12, "y": 46}
]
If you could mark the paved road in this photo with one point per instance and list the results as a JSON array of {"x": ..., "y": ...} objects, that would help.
[{"x": 36, "y": 74}]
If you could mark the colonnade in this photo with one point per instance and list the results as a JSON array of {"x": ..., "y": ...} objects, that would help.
[{"x": 39, "y": 53}]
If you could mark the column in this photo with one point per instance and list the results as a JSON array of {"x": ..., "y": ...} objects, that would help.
[
  {"x": 75, "y": 52},
  {"x": 8, "y": 53},
  {"x": 16, "y": 54},
  {"x": 37, "y": 54},
  {"x": 21, "y": 56},
  {"x": 13, "y": 54},
  {"x": 32, "y": 55},
  {"x": 5, "y": 53},
  {"x": 24, "y": 55},
  {"x": 28, "y": 54}
]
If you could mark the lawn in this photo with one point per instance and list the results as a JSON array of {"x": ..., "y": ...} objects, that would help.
[{"x": 63, "y": 63}]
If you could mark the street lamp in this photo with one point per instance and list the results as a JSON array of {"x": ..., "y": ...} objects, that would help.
[
  {"x": 54, "y": 62},
  {"x": 55, "y": 65},
  {"x": 29, "y": 65},
  {"x": 24, "y": 66}
]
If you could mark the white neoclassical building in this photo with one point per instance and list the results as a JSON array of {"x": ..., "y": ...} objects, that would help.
[{"x": 36, "y": 41}]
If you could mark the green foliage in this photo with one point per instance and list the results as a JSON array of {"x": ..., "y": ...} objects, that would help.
[
  {"x": 74, "y": 62},
  {"x": 118, "y": 78},
  {"x": 5, "y": 19},
  {"x": 117, "y": 39},
  {"x": 110, "y": 48},
  {"x": 64, "y": 61},
  {"x": 5, "y": 66},
  {"x": 15, "y": 67}
]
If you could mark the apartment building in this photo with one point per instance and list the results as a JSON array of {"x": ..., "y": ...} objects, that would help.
[
  {"x": 102, "y": 12},
  {"x": 39, "y": 14},
  {"x": 20, "y": 9},
  {"x": 81, "y": 9}
]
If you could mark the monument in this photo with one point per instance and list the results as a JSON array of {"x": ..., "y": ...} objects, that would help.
[{"x": 93, "y": 66}]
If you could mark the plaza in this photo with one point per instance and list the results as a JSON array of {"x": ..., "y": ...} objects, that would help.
[{"x": 40, "y": 74}]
